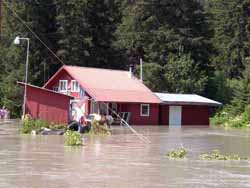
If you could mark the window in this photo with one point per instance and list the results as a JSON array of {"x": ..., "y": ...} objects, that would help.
[
  {"x": 63, "y": 85},
  {"x": 75, "y": 86},
  {"x": 144, "y": 109},
  {"x": 82, "y": 93}
]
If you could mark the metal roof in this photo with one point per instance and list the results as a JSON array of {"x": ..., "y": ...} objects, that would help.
[
  {"x": 110, "y": 85},
  {"x": 182, "y": 99}
]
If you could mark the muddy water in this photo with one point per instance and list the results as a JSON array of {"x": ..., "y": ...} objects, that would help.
[{"x": 121, "y": 160}]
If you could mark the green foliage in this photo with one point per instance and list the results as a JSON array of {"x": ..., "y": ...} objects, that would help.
[
  {"x": 229, "y": 120},
  {"x": 97, "y": 129},
  {"x": 216, "y": 155},
  {"x": 182, "y": 75},
  {"x": 153, "y": 76},
  {"x": 72, "y": 138},
  {"x": 177, "y": 154},
  {"x": 86, "y": 32},
  {"x": 231, "y": 22},
  {"x": 29, "y": 125},
  {"x": 188, "y": 46}
]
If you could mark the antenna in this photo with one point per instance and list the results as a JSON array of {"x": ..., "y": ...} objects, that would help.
[{"x": 141, "y": 70}]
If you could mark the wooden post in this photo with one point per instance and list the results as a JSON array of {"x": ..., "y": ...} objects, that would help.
[{"x": 0, "y": 19}]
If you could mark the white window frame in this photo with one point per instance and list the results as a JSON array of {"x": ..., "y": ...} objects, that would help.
[
  {"x": 148, "y": 106},
  {"x": 74, "y": 83},
  {"x": 66, "y": 83}
]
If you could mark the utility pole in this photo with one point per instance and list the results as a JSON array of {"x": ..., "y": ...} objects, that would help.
[{"x": 1, "y": 18}]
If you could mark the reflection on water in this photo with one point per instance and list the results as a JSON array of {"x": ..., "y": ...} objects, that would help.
[{"x": 122, "y": 160}]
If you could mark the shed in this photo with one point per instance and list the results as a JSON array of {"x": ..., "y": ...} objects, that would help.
[
  {"x": 185, "y": 109},
  {"x": 46, "y": 104}
]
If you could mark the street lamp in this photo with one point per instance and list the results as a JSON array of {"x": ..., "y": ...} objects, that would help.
[{"x": 17, "y": 42}]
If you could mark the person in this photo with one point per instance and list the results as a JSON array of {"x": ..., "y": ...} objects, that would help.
[{"x": 3, "y": 113}]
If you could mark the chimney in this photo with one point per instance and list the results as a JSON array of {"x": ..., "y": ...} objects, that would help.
[
  {"x": 141, "y": 70},
  {"x": 130, "y": 74}
]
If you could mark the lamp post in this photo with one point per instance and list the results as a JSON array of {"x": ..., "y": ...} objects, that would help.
[{"x": 17, "y": 42}]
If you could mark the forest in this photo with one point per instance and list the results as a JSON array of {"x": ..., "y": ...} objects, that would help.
[{"x": 187, "y": 46}]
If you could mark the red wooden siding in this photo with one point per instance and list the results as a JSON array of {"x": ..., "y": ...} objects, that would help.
[
  {"x": 164, "y": 114},
  {"x": 47, "y": 106},
  {"x": 195, "y": 115},
  {"x": 191, "y": 115},
  {"x": 136, "y": 118}
]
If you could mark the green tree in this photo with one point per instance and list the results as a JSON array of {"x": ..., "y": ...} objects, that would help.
[
  {"x": 182, "y": 75},
  {"x": 241, "y": 91},
  {"x": 86, "y": 30},
  {"x": 39, "y": 16},
  {"x": 156, "y": 29},
  {"x": 231, "y": 22},
  {"x": 153, "y": 76}
]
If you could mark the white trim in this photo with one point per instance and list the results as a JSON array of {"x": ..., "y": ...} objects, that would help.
[
  {"x": 59, "y": 87},
  {"x": 145, "y": 105},
  {"x": 75, "y": 87}
]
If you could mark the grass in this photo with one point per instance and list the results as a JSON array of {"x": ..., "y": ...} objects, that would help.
[
  {"x": 216, "y": 155},
  {"x": 72, "y": 138},
  {"x": 177, "y": 154}
]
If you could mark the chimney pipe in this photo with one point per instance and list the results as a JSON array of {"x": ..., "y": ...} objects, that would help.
[
  {"x": 130, "y": 71},
  {"x": 141, "y": 70}
]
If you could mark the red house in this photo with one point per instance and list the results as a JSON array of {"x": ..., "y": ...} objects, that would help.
[
  {"x": 100, "y": 90},
  {"x": 111, "y": 92}
]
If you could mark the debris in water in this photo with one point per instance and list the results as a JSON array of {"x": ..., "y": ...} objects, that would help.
[
  {"x": 216, "y": 155},
  {"x": 177, "y": 154}
]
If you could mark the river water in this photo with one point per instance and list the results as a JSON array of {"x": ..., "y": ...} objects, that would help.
[{"x": 122, "y": 160}]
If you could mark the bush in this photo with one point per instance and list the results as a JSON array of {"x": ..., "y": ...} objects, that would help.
[
  {"x": 177, "y": 154},
  {"x": 98, "y": 129},
  {"x": 72, "y": 138},
  {"x": 28, "y": 125},
  {"x": 227, "y": 119}
]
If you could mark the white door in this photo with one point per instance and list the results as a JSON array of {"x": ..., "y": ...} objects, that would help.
[{"x": 175, "y": 115}]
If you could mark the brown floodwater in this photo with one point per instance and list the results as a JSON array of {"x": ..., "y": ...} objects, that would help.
[{"x": 122, "y": 160}]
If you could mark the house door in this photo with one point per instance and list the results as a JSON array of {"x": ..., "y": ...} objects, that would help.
[{"x": 175, "y": 115}]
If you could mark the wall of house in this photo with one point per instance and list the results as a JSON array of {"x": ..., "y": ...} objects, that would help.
[
  {"x": 63, "y": 76},
  {"x": 164, "y": 114},
  {"x": 195, "y": 115},
  {"x": 191, "y": 115},
  {"x": 47, "y": 106},
  {"x": 137, "y": 119}
]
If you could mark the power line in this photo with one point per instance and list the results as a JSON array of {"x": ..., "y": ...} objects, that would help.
[{"x": 36, "y": 36}]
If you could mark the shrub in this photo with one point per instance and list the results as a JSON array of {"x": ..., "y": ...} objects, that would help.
[
  {"x": 177, "y": 154},
  {"x": 216, "y": 155},
  {"x": 72, "y": 138},
  {"x": 29, "y": 125},
  {"x": 227, "y": 119},
  {"x": 98, "y": 129}
]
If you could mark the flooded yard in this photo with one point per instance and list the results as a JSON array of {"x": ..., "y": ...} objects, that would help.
[{"x": 122, "y": 160}]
